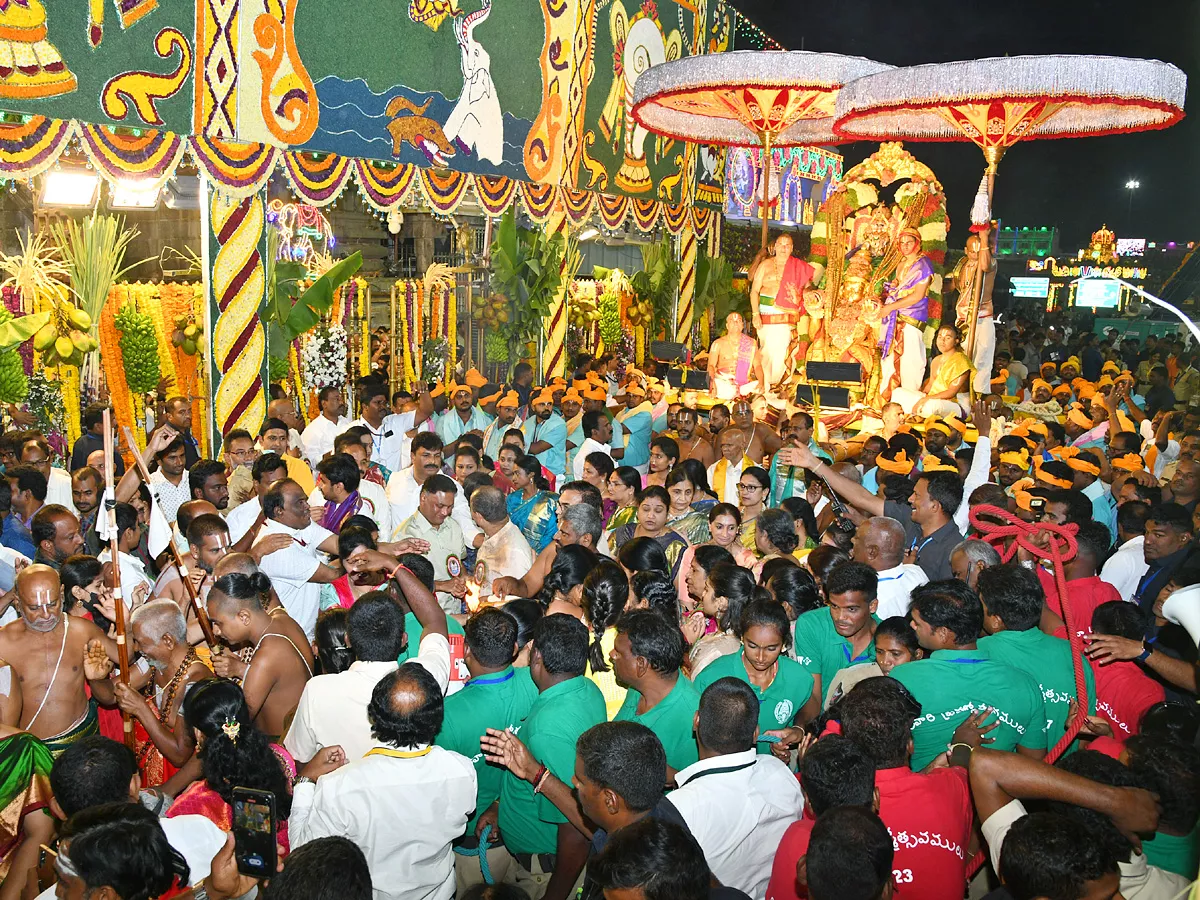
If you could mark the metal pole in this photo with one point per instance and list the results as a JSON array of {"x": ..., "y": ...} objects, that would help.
[{"x": 766, "y": 174}]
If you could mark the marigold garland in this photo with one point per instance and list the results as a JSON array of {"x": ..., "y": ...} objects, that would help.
[
  {"x": 451, "y": 333},
  {"x": 110, "y": 356}
]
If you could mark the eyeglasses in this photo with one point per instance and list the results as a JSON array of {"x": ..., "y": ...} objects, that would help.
[{"x": 749, "y": 487}]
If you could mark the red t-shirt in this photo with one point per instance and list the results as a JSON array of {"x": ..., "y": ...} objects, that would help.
[
  {"x": 929, "y": 818},
  {"x": 1123, "y": 694},
  {"x": 1085, "y": 593}
]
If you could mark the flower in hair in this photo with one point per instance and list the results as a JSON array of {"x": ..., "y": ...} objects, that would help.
[{"x": 232, "y": 729}]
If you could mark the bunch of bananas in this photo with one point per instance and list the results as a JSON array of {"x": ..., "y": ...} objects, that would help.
[
  {"x": 139, "y": 349},
  {"x": 65, "y": 339},
  {"x": 495, "y": 347},
  {"x": 187, "y": 334},
  {"x": 584, "y": 311},
  {"x": 641, "y": 313},
  {"x": 14, "y": 385},
  {"x": 609, "y": 308},
  {"x": 493, "y": 309}
]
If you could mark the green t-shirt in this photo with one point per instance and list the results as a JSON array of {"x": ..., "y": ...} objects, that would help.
[
  {"x": 779, "y": 703},
  {"x": 500, "y": 700},
  {"x": 672, "y": 720},
  {"x": 560, "y": 714},
  {"x": 412, "y": 628},
  {"x": 1048, "y": 661},
  {"x": 1174, "y": 853},
  {"x": 952, "y": 684},
  {"x": 824, "y": 652}
]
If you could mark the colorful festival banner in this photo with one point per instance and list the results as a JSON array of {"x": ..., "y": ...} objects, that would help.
[
  {"x": 29, "y": 149},
  {"x": 318, "y": 178},
  {"x": 151, "y": 156}
]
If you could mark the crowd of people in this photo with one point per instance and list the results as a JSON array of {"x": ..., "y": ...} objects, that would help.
[{"x": 597, "y": 638}]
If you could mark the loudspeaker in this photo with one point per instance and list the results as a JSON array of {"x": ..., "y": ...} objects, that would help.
[
  {"x": 667, "y": 351},
  {"x": 695, "y": 380},
  {"x": 829, "y": 396},
  {"x": 823, "y": 372}
]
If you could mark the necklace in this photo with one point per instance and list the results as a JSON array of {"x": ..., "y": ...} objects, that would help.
[{"x": 168, "y": 693}]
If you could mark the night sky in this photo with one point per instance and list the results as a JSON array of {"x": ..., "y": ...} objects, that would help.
[{"x": 1075, "y": 184}]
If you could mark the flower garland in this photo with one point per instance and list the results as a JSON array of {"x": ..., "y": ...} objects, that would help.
[
  {"x": 45, "y": 401},
  {"x": 364, "y": 317},
  {"x": 407, "y": 377},
  {"x": 110, "y": 357},
  {"x": 452, "y": 330},
  {"x": 323, "y": 356}
]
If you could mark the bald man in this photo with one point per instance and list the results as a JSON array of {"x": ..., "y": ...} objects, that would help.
[
  {"x": 51, "y": 655},
  {"x": 879, "y": 542},
  {"x": 164, "y": 742}
]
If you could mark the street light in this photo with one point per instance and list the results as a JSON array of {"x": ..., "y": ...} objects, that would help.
[{"x": 1131, "y": 185}]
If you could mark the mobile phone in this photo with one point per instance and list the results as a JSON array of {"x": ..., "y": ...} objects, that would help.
[
  {"x": 254, "y": 828},
  {"x": 1037, "y": 505}
]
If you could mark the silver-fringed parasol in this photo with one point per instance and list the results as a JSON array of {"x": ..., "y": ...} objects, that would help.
[
  {"x": 748, "y": 98},
  {"x": 996, "y": 102}
]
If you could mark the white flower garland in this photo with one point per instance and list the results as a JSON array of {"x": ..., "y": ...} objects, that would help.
[{"x": 323, "y": 357}]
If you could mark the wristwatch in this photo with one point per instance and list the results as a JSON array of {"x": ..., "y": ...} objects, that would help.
[
  {"x": 1146, "y": 651},
  {"x": 303, "y": 779},
  {"x": 200, "y": 891}
]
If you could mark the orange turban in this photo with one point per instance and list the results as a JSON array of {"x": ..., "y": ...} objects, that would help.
[
  {"x": 1040, "y": 383},
  {"x": 1077, "y": 416},
  {"x": 1039, "y": 428},
  {"x": 580, "y": 384},
  {"x": 1020, "y": 459},
  {"x": 1062, "y": 389},
  {"x": 453, "y": 389},
  {"x": 474, "y": 378},
  {"x": 438, "y": 390},
  {"x": 1130, "y": 462},
  {"x": 490, "y": 397},
  {"x": 510, "y": 399},
  {"x": 635, "y": 389},
  {"x": 1054, "y": 481},
  {"x": 1063, "y": 453},
  {"x": 1053, "y": 367},
  {"x": 1082, "y": 465},
  {"x": 1024, "y": 500},
  {"x": 900, "y": 465},
  {"x": 572, "y": 394},
  {"x": 933, "y": 464},
  {"x": 1110, "y": 366},
  {"x": 545, "y": 395},
  {"x": 938, "y": 425},
  {"x": 595, "y": 393},
  {"x": 957, "y": 424}
]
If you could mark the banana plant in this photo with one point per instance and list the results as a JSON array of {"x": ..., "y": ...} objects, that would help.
[
  {"x": 294, "y": 311},
  {"x": 527, "y": 269},
  {"x": 658, "y": 283}
]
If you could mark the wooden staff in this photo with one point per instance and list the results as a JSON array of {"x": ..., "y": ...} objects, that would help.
[
  {"x": 110, "y": 505},
  {"x": 176, "y": 556}
]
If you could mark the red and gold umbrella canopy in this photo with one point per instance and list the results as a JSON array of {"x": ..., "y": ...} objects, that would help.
[
  {"x": 995, "y": 102},
  {"x": 748, "y": 98}
]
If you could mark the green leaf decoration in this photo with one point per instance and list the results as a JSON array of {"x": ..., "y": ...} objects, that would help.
[{"x": 17, "y": 331}]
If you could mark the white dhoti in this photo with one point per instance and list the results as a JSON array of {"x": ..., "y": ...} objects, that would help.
[
  {"x": 912, "y": 361},
  {"x": 985, "y": 353},
  {"x": 726, "y": 388},
  {"x": 909, "y": 400},
  {"x": 773, "y": 343}
]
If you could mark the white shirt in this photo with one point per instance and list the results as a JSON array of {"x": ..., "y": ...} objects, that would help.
[
  {"x": 462, "y": 515},
  {"x": 319, "y": 435},
  {"x": 388, "y": 441},
  {"x": 58, "y": 490},
  {"x": 1125, "y": 568},
  {"x": 196, "y": 837},
  {"x": 133, "y": 573},
  {"x": 589, "y": 445},
  {"x": 1139, "y": 879},
  {"x": 895, "y": 588},
  {"x": 402, "y": 813},
  {"x": 507, "y": 554},
  {"x": 1163, "y": 458},
  {"x": 290, "y": 568},
  {"x": 403, "y": 495},
  {"x": 739, "y": 817},
  {"x": 333, "y": 708},
  {"x": 733, "y": 474},
  {"x": 242, "y": 518},
  {"x": 170, "y": 496},
  {"x": 375, "y": 506}
]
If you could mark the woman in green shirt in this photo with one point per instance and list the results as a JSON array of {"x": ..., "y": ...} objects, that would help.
[{"x": 783, "y": 685}]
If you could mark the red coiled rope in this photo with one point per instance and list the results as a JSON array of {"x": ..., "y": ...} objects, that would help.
[{"x": 1063, "y": 548}]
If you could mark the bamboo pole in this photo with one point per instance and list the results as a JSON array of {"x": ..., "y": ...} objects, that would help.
[
  {"x": 110, "y": 508},
  {"x": 176, "y": 556}
]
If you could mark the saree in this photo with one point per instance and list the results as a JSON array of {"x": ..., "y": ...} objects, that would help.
[
  {"x": 621, "y": 517},
  {"x": 25, "y": 763},
  {"x": 337, "y": 513},
  {"x": 672, "y": 543},
  {"x": 537, "y": 518},
  {"x": 693, "y": 525},
  {"x": 198, "y": 799}
]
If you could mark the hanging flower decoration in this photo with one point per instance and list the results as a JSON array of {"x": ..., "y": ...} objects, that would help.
[{"x": 323, "y": 357}]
